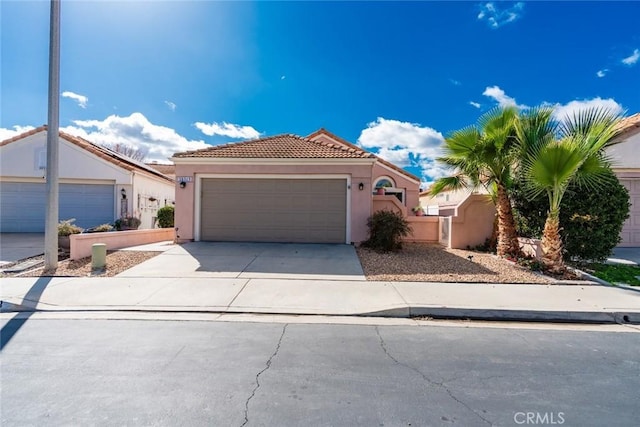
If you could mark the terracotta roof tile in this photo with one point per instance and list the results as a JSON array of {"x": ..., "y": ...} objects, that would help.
[
  {"x": 353, "y": 146},
  {"x": 630, "y": 123},
  {"x": 169, "y": 170},
  {"x": 102, "y": 152},
  {"x": 284, "y": 146}
]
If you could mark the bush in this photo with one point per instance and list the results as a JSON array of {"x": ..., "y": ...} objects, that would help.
[
  {"x": 590, "y": 221},
  {"x": 127, "y": 223},
  {"x": 100, "y": 228},
  {"x": 386, "y": 229},
  {"x": 165, "y": 217},
  {"x": 66, "y": 227}
]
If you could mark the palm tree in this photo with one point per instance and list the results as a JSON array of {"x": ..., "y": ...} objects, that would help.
[
  {"x": 483, "y": 155},
  {"x": 555, "y": 154}
]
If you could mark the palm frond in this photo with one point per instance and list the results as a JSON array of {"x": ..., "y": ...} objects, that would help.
[{"x": 450, "y": 183}]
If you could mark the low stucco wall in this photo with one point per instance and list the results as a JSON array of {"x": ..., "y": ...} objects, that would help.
[
  {"x": 81, "y": 243},
  {"x": 424, "y": 229},
  {"x": 472, "y": 223},
  {"x": 388, "y": 203}
]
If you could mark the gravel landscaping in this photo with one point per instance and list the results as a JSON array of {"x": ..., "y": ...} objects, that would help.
[
  {"x": 418, "y": 262},
  {"x": 117, "y": 262}
]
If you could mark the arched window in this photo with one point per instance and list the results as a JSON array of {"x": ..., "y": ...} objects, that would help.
[
  {"x": 389, "y": 187},
  {"x": 384, "y": 181}
]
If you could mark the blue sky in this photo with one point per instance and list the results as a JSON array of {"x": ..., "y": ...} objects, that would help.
[{"x": 393, "y": 77}]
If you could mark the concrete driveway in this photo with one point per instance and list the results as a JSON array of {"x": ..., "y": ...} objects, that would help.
[
  {"x": 625, "y": 256},
  {"x": 253, "y": 261},
  {"x": 17, "y": 246}
]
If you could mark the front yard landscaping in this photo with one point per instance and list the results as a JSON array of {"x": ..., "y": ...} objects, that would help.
[{"x": 433, "y": 263}]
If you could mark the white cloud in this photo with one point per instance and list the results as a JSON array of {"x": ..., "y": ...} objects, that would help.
[
  {"x": 16, "y": 130},
  {"x": 602, "y": 73},
  {"x": 455, "y": 82},
  {"x": 136, "y": 130},
  {"x": 227, "y": 129},
  {"x": 171, "y": 105},
  {"x": 405, "y": 144},
  {"x": 632, "y": 59},
  {"x": 502, "y": 98},
  {"x": 80, "y": 99},
  {"x": 562, "y": 111},
  {"x": 497, "y": 17},
  {"x": 475, "y": 104}
]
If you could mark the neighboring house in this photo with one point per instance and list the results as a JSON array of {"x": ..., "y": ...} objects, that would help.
[
  {"x": 96, "y": 185},
  {"x": 284, "y": 188},
  {"x": 625, "y": 153},
  {"x": 445, "y": 202},
  {"x": 165, "y": 169}
]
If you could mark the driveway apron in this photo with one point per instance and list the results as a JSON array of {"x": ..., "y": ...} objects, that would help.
[{"x": 254, "y": 261}]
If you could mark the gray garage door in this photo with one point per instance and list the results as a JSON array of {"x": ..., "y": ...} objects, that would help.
[
  {"x": 22, "y": 205},
  {"x": 274, "y": 210},
  {"x": 631, "y": 228}
]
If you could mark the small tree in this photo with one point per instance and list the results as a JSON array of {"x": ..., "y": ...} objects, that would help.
[
  {"x": 165, "y": 217},
  {"x": 590, "y": 221},
  {"x": 130, "y": 151},
  {"x": 386, "y": 229}
]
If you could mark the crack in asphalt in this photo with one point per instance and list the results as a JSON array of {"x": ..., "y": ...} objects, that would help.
[
  {"x": 266, "y": 368},
  {"x": 427, "y": 379}
]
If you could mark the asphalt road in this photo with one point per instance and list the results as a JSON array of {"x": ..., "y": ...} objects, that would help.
[{"x": 123, "y": 372}]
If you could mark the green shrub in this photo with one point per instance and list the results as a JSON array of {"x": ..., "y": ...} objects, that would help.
[
  {"x": 127, "y": 223},
  {"x": 590, "y": 221},
  {"x": 66, "y": 227},
  {"x": 386, "y": 229},
  {"x": 99, "y": 228},
  {"x": 165, "y": 217}
]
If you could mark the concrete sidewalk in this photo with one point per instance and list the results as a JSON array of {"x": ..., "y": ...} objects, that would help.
[{"x": 573, "y": 303}]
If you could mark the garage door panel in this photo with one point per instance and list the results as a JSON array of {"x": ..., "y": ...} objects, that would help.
[
  {"x": 23, "y": 205},
  {"x": 274, "y": 210},
  {"x": 631, "y": 228}
]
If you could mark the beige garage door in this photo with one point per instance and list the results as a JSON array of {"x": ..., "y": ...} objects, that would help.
[
  {"x": 274, "y": 210},
  {"x": 631, "y": 228}
]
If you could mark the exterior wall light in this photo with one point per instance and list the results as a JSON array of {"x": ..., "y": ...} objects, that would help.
[
  {"x": 361, "y": 186},
  {"x": 124, "y": 193},
  {"x": 183, "y": 184}
]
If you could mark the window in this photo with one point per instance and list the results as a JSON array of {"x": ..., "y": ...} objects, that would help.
[{"x": 389, "y": 187}]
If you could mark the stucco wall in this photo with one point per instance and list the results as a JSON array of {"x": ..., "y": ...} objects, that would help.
[
  {"x": 20, "y": 159},
  {"x": 473, "y": 222},
  {"x": 360, "y": 200},
  {"x": 424, "y": 229},
  {"x": 81, "y": 243},
  {"x": 146, "y": 188},
  {"x": 625, "y": 154},
  {"x": 410, "y": 187}
]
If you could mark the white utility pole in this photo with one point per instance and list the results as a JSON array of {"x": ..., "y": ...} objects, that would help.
[{"x": 53, "y": 124}]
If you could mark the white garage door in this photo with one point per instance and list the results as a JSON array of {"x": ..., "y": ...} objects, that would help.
[
  {"x": 631, "y": 228},
  {"x": 274, "y": 210},
  {"x": 23, "y": 204}
]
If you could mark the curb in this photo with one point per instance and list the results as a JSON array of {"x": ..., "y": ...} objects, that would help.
[
  {"x": 448, "y": 313},
  {"x": 615, "y": 317}
]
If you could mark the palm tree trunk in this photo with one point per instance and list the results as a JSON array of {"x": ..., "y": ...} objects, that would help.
[
  {"x": 552, "y": 245},
  {"x": 507, "y": 237}
]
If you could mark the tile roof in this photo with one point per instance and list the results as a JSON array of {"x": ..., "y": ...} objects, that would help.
[
  {"x": 629, "y": 124},
  {"x": 348, "y": 144},
  {"x": 168, "y": 170},
  {"x": 286, "y": 146},
  {"x": 104, "y": 153}
]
